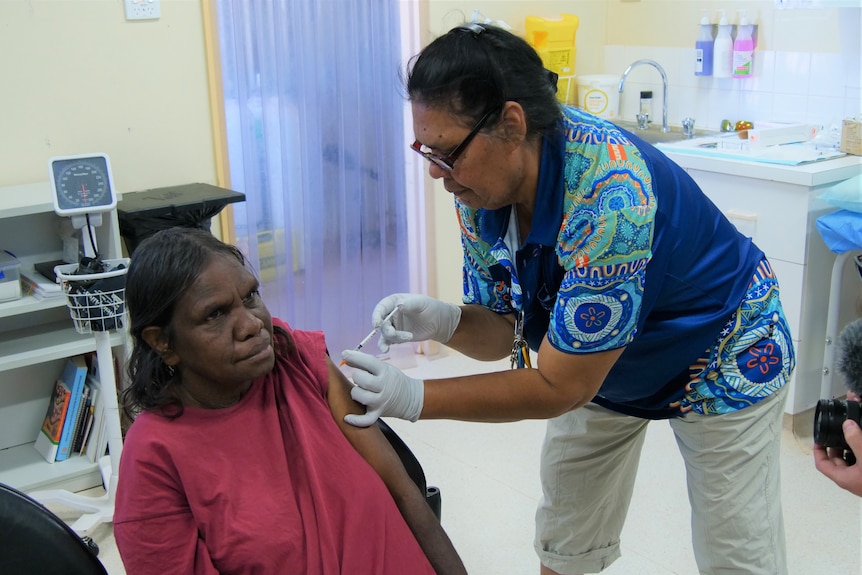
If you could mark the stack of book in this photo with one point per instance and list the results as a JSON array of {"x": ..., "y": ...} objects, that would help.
[
  {"x": 35, "y": 284},
  {"x": 74, "y": 423}
]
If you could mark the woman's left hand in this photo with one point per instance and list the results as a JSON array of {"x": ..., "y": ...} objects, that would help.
[{"x": 384, "y": 389}]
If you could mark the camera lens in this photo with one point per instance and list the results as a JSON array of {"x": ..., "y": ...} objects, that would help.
[{"x": 828, "y": 417}]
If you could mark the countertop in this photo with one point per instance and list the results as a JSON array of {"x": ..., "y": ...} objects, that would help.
[{"x": 814, "y": 174}]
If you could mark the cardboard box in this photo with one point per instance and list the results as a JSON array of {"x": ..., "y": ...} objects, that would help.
[{"x": 851, "y": 137}]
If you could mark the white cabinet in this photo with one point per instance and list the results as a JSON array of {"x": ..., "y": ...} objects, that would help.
[
  {"x": 35, "y": 339},
  {"x": 777, "y": 206}
]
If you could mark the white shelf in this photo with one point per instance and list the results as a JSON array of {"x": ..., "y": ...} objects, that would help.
[
  {"x": 24, "y": 468},
  {"x": 29, "y": 304},
  {"x": 46, "y": 342},
  {"x": 34, "y": 333}
]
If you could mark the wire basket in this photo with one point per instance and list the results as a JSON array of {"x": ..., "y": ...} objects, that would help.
[{"x": 96, "y": 301}]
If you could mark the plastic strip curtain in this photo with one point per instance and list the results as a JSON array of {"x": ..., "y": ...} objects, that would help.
[{"x": 314, "y": 110}]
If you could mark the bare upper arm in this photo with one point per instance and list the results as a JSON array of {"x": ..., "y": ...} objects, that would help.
[{"x": 369, "y": 442}]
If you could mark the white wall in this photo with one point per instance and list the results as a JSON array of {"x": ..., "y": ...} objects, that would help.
[{"x": 78, "y": 78}]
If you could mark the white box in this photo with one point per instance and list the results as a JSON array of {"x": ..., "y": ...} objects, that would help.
[
  {"x": 10, "y": 277},
  {"x": 776, "y": 134}
]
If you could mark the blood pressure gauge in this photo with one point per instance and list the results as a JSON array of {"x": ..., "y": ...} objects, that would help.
[{"x": 82, "y": 184}]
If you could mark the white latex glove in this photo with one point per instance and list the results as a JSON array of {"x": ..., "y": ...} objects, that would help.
[
  {"x": 420, "y": 318},
  {"x": 383, "y": 389}
]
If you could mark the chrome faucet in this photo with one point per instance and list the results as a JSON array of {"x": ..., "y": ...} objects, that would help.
[{"x": 657, "y": 66}]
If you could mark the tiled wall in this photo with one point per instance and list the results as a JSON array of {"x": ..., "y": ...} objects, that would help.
[{"x": 811, "y": 87}]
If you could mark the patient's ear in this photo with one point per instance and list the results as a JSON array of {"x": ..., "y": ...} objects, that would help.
[{"x": 159, "y": 341}]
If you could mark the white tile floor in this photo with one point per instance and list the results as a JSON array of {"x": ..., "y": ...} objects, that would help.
[{"x": 487, "y": 474}]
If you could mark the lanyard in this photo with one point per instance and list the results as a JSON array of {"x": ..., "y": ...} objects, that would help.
[{"x": 520, "y": 350}]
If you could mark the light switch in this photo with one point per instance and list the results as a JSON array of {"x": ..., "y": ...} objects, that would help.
[{"x": 142, "y": 9}]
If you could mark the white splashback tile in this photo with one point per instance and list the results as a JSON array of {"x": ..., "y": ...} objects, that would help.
[
  {"x": 791, "y": 72},
  {"x": 615, "y": 60},
  {"x": 827, "y": 75},
  {"x": 694, "y": 103},
  {"x": 788, "y": 108},
  {"x": 824, "y": 111},
  {"x": 756, "y": 105},
  {"x": 723, "y": 104},
  {"x": 786, "y": 86},
  {"x": 764, "y": 72}
]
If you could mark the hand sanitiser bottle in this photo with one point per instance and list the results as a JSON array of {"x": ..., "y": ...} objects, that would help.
[
  {"x": 703, "y": 49},
  {"x": 743, "y": 49},
  {"x": 723, "y": 50}
]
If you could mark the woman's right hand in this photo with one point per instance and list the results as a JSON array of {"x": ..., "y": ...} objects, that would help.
[{"x": 418, "y": 318}]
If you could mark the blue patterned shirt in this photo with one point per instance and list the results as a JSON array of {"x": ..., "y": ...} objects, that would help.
[{"x": 624, "y": 250}]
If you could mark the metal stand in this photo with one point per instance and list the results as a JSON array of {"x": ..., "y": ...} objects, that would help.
[{"x": 98, "y": 509}]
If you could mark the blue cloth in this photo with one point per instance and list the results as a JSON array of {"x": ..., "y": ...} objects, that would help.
[
  {"x": 624, "y": 250},
  {"x": 841, "y": 230}
]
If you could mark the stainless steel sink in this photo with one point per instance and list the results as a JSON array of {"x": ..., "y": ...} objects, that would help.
[{"x": 654, "y": 135}]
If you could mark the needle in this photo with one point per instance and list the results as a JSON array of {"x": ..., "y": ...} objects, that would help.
[{"x": 374, "y": 331}]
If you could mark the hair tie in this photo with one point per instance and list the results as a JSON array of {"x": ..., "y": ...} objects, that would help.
[{"x": 473, "y": 27}]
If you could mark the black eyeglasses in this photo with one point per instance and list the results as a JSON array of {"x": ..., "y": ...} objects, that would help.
[{"x": 447, "y": 162}]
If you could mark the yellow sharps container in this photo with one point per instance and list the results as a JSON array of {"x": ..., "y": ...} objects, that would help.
[{"x": 554, "y": 40}]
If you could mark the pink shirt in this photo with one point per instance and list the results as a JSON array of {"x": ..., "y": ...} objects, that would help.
[{"x": 269, "y": 485}]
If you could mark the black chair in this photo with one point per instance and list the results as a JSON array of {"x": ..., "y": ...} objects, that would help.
[
  {"x": 34, "y": 541},
  {"x": 413, "y": 467}
]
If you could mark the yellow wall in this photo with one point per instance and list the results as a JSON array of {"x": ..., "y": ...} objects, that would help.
[{"x": 78, "y": 78}]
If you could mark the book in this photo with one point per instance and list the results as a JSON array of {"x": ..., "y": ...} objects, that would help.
[
  {"x": 83, "y": 410},
  {"x": 46, "y": 269},
  {"x": 88, "y": 423},
  {"x": 97, "y": 440},
  {"x": 48, "y": 440},
  {"x": 33, "y": 283},
  {"x": 74, "y": 375}
]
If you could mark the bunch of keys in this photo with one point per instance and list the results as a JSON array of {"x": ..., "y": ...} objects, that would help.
[{"x": 520, "y": 350}]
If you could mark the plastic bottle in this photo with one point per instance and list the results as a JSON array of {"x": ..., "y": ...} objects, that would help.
[
  {"x": 722, "y": 66},
  {"x": 743, "y": 49},
  {"x": 703, "y": 49},
  {"x": 646, "y": 103}
]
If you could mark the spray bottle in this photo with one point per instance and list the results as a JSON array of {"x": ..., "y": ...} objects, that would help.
[
  {"x": 743, "y": 49},
  {"x": 723, "y": 49},
  {"x": 703, "y": 48}
]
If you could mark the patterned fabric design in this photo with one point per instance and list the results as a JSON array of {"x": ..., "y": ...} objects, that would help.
[
  {"x": 752, "y": 358},
  {"x": 604, "y": 242},
  {"x": 486, "y": 281},
  {"x": 592, "y": 319}
]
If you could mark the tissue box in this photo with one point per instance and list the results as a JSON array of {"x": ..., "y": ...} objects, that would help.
[
  {"x": 10, "y": 277},
  {"x": 851, "y": 137}
]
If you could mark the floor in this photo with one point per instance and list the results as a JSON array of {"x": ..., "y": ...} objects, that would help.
[{"x": 487, "y": 474}]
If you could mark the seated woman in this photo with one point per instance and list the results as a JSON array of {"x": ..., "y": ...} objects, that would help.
[{"x": 239, "y": 460}]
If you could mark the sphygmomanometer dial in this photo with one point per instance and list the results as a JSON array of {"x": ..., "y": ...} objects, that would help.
[{"x": 82, "y": 184}]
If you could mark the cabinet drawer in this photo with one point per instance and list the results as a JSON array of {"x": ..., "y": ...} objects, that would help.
[
  {"x": 774, "y": 215},
  {"x": 791, "y": 278}
]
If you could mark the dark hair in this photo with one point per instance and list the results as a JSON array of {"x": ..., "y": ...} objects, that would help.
[
  {"x": 163, "y": 267},
  {"x": 476, "y": 68}
]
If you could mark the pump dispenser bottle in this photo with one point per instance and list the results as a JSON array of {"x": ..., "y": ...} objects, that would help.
[
  {"x": 703, "y": 49},
  {"x": 743, "y": 49},
  {"x": 723, "y": 50}
]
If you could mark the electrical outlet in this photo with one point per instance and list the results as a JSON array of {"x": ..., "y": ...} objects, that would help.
[{"x": 142, "y": 9}]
